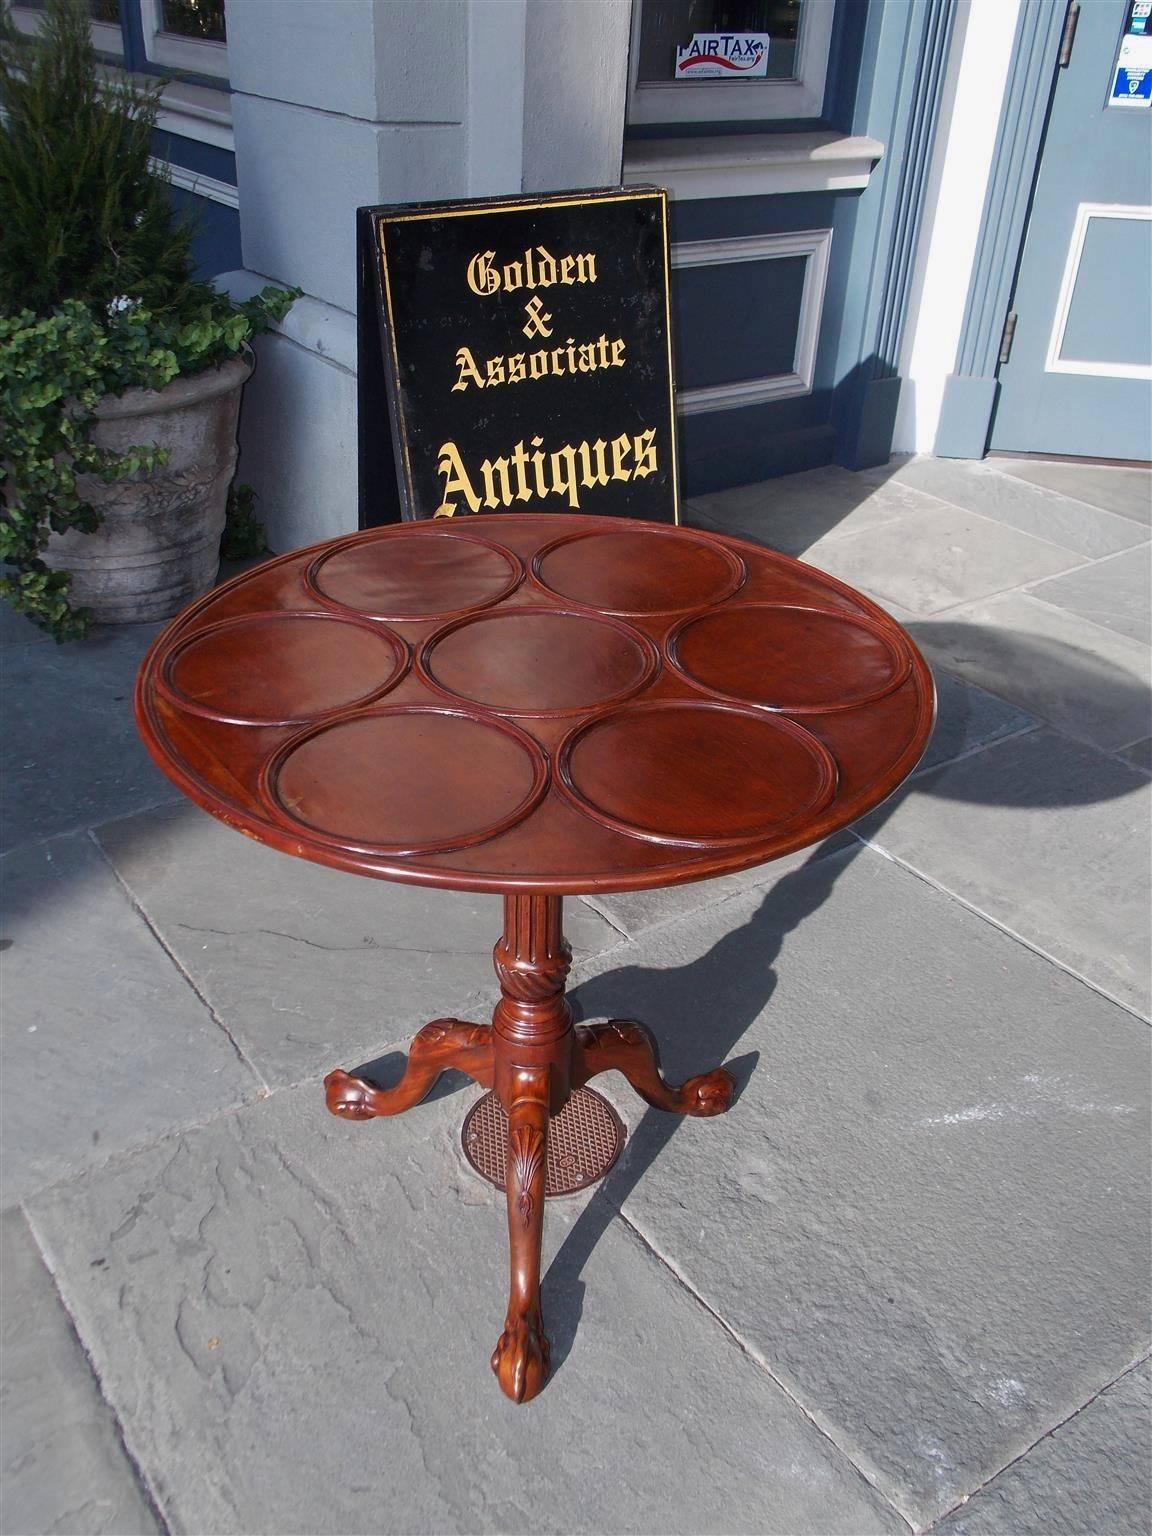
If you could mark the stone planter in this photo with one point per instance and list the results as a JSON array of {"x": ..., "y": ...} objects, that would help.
[{"x": 158, "y": 545}]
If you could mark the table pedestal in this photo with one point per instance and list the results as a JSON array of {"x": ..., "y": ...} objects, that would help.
[{"x": 534, "y": 1059}]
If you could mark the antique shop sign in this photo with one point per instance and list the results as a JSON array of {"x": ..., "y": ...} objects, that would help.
[{"x": 521, "y": 351}]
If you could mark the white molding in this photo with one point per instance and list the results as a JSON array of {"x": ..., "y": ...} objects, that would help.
[
  {"x": 816, "y": 246},
  {"x": 174, "y": 51},
  {"x": 1054, "y": 363},
  {"x": 752, "y": 165},
  {"x": 106, "y": 37},
  {"x": 701, "y": 101},
  {"x": 197, "y": 112},
  {"x": 325, "y": 330},
  {"x": 216, "y": 191}
]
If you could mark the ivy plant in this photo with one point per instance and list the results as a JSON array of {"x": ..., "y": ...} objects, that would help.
[
  {"x": 98, "y": 293},
  {"x": 53, "y": 371}
]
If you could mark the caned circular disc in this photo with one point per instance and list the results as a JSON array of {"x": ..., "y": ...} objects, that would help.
[
  {"x": 697, "y": 772},
  {"x": 639, "y": 572},
  {"x": 391, "y": 780},
  {"x": 584, "y": 1140},
  {"x": 798, "y": 659},
  {"x": 276, "y": 668},
  {"x": 534, "y": 662},
  {"x": 414, "y": 575}
]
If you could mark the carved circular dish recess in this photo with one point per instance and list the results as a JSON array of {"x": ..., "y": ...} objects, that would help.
[
  {"x": 632, "y": 573},
  {"x": 389, "y": 781},
  {"x": 412, "y": 575},
  {"x": 538, "y": 661},
  {"x": 802, "y": 660},
  {"x": 698, "y": 773},
  {"x": 281, "y": 668}
]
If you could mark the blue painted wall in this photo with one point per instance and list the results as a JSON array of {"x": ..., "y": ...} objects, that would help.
[
  {"x": 217, "y": 242},
  {"x": 756, "y": 442}
]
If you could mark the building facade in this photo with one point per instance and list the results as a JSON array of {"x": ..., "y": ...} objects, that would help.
[{"x": 855, "y": 196}]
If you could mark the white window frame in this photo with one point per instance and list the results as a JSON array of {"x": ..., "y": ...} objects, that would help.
[
  {"x": 816, "y": 246},
  {"x": 171, "y": 50},
  {"x": 1054, "y": 362},
  {"x": 106, "y": 38},
  {"x": 717, "y": 101}
]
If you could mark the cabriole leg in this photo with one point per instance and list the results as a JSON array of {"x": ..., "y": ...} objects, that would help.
[
  {"x": 629, "y": 1048},
  {"x": 532, "y": 1035}
]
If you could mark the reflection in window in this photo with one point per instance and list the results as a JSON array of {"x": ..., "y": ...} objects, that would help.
[
  {"x": 99, "y": 10},
  {"x": 200, "y": 19},
  {"x": 666, "y": 24}
]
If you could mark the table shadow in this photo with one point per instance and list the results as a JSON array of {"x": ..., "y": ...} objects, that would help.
[{"x": 699, "y": 1012}]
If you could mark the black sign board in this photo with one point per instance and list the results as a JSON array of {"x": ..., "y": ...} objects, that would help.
[{"x": 521, "y": 349}]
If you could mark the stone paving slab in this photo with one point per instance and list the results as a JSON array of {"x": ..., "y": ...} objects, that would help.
[
  {"x": 1076, "y": 885},
  {"x": 312, "y": 968},
  {"x": 63, "y": 1467},
  {"x": 1140, "y": 753},
  {"x": 1116, "y": 593},
  {"x": 799, "y": 514},
  {"x": 1124, "y": 491},
  {"x": 69, "y": 754},
  {"x": 1090, "y": 1477},
  {"x": 922, "y": 1211},
  {"x": 1084, "y": 679},
  {"x": 633, "y": 912},
  {"x": 1039, "y": 509},
  {"x": 105, "y": 1045},
  {"x": 940, "y": 557},
  {"x": 292, "y": 1317}
]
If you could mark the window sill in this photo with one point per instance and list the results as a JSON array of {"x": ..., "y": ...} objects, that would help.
[
  {"x": 197, "y": 112},
  {"x": 753, "y": 165}
]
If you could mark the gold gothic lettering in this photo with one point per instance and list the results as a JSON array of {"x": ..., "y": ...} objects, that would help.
[
  {"x": 532, "y": 471},
  {"x": 536, "y": 268},
  {"x": 585, "y": 357}
]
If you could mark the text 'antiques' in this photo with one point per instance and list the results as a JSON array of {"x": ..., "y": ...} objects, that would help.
[{"x": 527, "y": 356}]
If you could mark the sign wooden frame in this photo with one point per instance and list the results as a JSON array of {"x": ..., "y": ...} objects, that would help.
[{"x": 451, "y": 297}]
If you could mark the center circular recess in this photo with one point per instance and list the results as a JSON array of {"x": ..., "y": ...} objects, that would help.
[
  {"x": 530, "y": 661},
  {"x": 407, "y": 780},
  {"x": 798, "y": 659},
  {"x": 281, "y": 668},
  {"x": 414, "y": 574},
  {"x": 696, "y": 773},
  {"x": 639, "y": 572}
]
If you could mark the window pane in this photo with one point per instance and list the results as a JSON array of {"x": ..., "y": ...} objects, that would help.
[
  {"x": 100, "y": 10},
  {"x": 664, "y": 24},
  {"x": 201, "y": 19}
]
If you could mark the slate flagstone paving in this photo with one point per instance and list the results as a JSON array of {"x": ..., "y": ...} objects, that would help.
[{"x": 903, "y": 1286}]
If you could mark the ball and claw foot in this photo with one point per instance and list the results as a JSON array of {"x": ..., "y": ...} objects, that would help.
[
  {"x": 349, "y": 1097},
  {"x": 709, "y": 1094},
  {"x": 443, "y": 1044},
  {"x": 520, "y": 1359},
  {"x": 624, "y": 1046}
]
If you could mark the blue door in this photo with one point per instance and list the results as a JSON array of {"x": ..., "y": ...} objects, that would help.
[{"x": 1078, "y": 379}]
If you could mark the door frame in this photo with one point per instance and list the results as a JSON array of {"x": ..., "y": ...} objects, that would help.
[{"x": 970, "y": 391}]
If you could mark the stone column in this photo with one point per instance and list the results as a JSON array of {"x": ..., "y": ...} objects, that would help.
[{"x": 387, "y": 101}]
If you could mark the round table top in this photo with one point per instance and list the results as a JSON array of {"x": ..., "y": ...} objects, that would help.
[{"x": 545, "y": 702}]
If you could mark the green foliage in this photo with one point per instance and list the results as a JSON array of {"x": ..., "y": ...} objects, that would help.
[
  {"x": 97, "y": 295},
  {"x": 244, "y": 534},
  {"x": 82, "y": 213}
]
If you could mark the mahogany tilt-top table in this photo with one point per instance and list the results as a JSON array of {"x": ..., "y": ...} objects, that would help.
[{"x": 539, "y": 706}]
